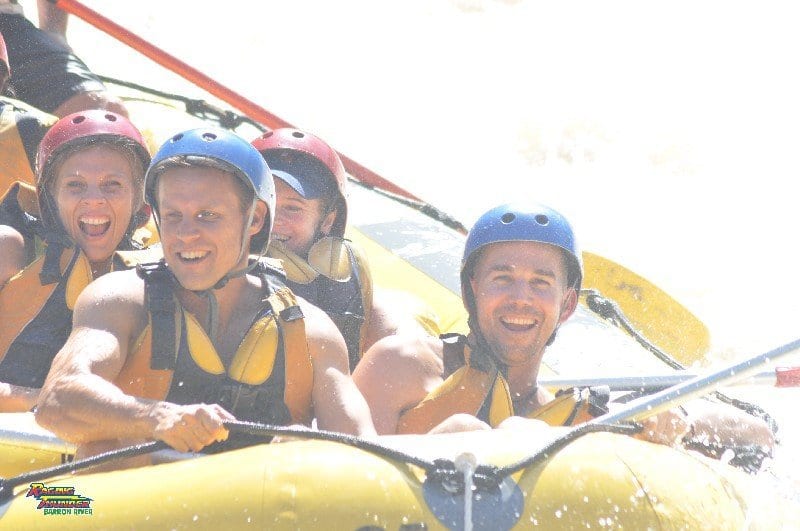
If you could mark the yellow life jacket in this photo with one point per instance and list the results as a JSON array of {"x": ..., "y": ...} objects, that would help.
[
  {"x": 336, "y": 278},
  {"x": 21, "y": 129},
  {"x": 37, "y": 314},
  {"x": 269, "y": 378},
  {"x": 478, "y": 388}
]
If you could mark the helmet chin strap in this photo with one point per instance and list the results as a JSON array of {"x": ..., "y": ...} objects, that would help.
[{"x": 213, "y": 305}]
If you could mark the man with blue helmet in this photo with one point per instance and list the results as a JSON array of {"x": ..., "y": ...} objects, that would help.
[
  {"x": 520, "y": 278},
  {"x": 208, "y": 335}
]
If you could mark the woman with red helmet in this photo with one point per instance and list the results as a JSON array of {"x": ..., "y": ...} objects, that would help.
[
  {"x": 321, "y": 265},
  {"x": 87, "y": 204}
]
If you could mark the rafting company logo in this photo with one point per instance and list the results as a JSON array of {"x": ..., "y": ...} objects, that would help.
[{"x": 60, "y": 500}]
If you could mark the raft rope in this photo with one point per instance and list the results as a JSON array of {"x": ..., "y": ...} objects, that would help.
[
  {"x": 611, "y": 312},
  {"x": 443, "y": 471},
  {"x": 7, "y": 485},
  {"x": 231, "y": 120},
  {"x": 194, "y": 107}
]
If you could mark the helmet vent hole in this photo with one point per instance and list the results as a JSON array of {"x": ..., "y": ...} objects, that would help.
[
  {"x": 297, "y": 134},
  {"x": 542, "y": 220},
  {"x": 177, "y": 137},
  {"x": 267, "y": 134},
  {"x": 78, "y": 119},
  {"x": 508, "y": 217},
  {"x": 209, "y": 137},
  {"x": 111, "y": 118}
]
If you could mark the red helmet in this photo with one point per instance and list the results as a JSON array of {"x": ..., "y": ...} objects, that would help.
[
  {"x": 4, "y": 55},
  {"x": 79, "y": 129},
  {"x": 280, "y": 149}
]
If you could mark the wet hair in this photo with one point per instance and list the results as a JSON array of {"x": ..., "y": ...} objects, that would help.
[
  {"x": 244, "y": 192},
  {"x": 126, "y": 146},
  {"x": 47, "y": 171}
]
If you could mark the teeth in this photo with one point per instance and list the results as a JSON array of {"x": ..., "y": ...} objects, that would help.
[
  {"x": 192, "y": 255},
  {"x": 521, "y": 321},
  {"x": 98, "y": 220},
  {"x": 280, "y": 237}
]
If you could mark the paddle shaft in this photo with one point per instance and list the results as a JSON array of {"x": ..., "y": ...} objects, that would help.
[
  {"x": 780, "y": 377},
  {"x": 647, "y": 406},
  {"x": 248, "y": 107}
]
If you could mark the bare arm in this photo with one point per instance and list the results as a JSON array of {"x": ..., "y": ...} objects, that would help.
[
  {"x": 52, "y": 19},
  {"x": 338, "y": 404},
  {"x": 13, "y": 398},
  {"x": 703, "y": 420},
  {"x": 12, "y": 253},
  {"x": 79, "y": 402},
  {"x": 396, "y": 374},
  {"x": 728, "y": 426}
]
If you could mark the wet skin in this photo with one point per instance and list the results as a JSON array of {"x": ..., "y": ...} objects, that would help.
[
  {"x": 521, "y": 296},
  {"x": 201, "y": 225},
  {"x": 94, "y": 190}
]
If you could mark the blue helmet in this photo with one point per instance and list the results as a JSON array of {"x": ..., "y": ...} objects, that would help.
[
  {"x": 528, "y": 223},
  {"x": 232, "y": 151}
]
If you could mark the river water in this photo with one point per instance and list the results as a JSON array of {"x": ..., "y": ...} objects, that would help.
[{"x": 667, "y": 133}]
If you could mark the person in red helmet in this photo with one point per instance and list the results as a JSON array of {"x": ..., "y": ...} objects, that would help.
[
  {"x": 46, "y": 73},
  {"x": 76, "y": 226},
  {"x": 21, "y": 129},
  {"x": 309, "y": 236},
  {"x": 174, "y": 350}
]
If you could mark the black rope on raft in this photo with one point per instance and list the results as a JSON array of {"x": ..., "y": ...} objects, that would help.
[
  {"x": 558, "y": 444},
  {"x": 195, "y": 107},
  {"x": 444, "y": 470},
  {"x": 7, "y": 485},
  {"x": 610, "y": 311},
  {"x": 232, "y": 120}
]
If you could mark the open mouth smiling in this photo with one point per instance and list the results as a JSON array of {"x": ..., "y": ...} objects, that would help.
[
  {"x": 94, "y": 226},
  {"x": 519, "y": 324},
  {"x": 192, "y": 256}
]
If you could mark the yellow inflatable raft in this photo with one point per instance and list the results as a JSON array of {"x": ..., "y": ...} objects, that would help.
[
  {"x": 600, "y": 480},
  {"x": 411, "y": 252}
]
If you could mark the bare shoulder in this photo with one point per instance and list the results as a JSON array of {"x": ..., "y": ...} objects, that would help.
[
  {"x": 325, "y": 343},
  {"x": 109, "y": 315},
  {"x": 12, "y": 253},
  {"x": 317, "y": 323},
  {"x": 114, "y": 301},
  {"x": 10, "y": 235},
  {"x": 404, "y": 355}
]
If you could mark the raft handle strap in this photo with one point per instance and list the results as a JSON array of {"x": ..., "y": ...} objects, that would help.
[
  {"x": 442, "y": 470},
  {"x": 611, "y": 312},
  {"x": 7, "y": 485}
]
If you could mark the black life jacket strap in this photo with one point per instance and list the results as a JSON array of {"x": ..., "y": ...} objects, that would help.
[
  {"x": 159, "y": 289},
  {"x": 51, "y": 268}
]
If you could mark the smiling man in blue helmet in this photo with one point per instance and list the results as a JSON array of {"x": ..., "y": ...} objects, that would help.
[
  {"x": 177, "y": 348},
  {"x": 520, "y": 278}
]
